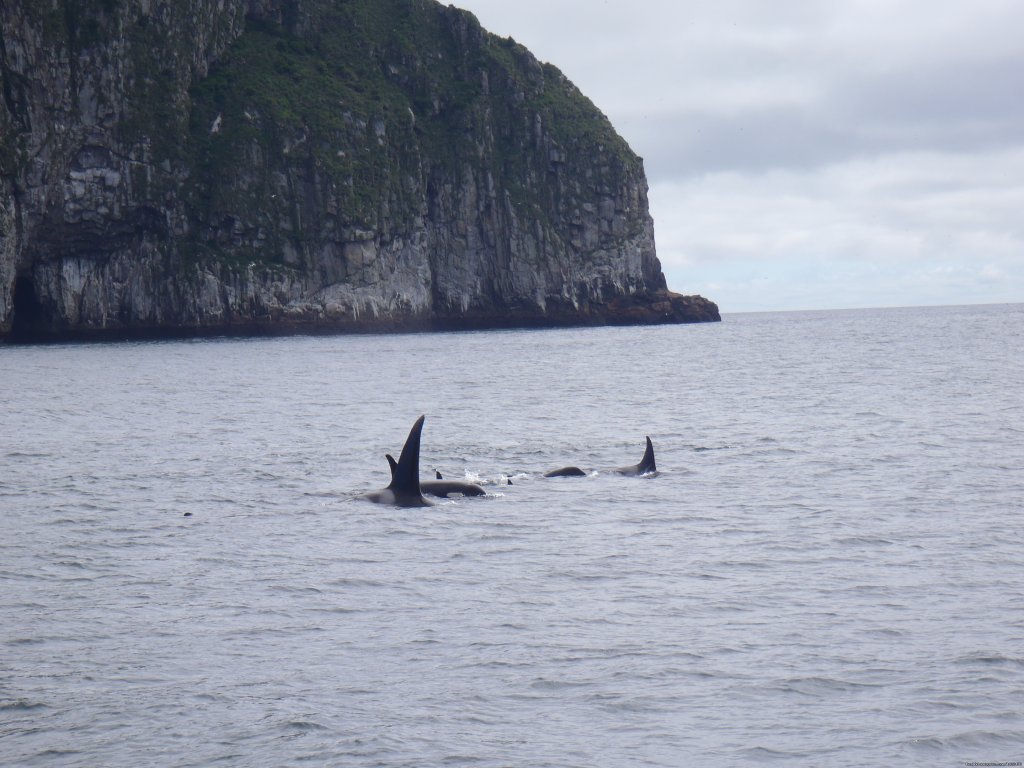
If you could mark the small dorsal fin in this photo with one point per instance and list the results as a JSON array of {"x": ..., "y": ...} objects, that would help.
[
  {"x": 406, "y": 475},
  {"x": 647, "y": 464},
  {"x": 391, "y": 463},
  {"x": 437, "y": 475}
]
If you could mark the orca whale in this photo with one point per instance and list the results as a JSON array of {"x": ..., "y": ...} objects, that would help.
[
  {"x": 440, "y": 487},
  {"x": 404, "y": 490},
  {"x": 645, "y": 467},
  {"x": 566, "y": 472}
]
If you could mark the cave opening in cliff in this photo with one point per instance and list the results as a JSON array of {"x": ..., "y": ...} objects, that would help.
[{"x": 29, "y": 320}]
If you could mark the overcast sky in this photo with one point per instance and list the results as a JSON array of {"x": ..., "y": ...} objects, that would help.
[{"x": 810, "y": 154}]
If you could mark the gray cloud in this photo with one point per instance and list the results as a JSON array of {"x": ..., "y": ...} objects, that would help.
[{"x": 877, "y": 144}]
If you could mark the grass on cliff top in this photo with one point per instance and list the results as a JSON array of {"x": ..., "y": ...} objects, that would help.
[
  {"x": 385, "y": 58},
  {"x": 571, "y": 117},
  {"x": 316, "y": 95}
]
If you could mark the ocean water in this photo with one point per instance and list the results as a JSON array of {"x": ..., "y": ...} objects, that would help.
[{"x": 827, "y": 570}]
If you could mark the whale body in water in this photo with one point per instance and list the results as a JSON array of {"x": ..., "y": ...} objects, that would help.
[
  {"x": 565, "y": 472},
  {"x": 646, "y": 466},
  {"x": 404, "y": 490},
  {"x": 444, "y": 489}
]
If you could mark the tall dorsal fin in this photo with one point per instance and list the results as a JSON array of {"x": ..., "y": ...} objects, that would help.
[
  {"x": 391, "y": 463},
  {"x": 405, "y": 478},
  {"x": 647, "y": 464}
]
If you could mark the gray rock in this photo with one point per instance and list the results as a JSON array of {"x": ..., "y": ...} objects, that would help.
[{"x": 249, "y": 165}]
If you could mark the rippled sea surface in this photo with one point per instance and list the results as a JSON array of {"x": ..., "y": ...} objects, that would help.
[{"x": 828, "y": 570}]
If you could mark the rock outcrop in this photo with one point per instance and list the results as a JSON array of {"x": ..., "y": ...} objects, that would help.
[{"x": 278, "y": 165}]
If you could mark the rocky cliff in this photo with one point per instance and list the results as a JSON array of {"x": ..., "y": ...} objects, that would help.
[{"x": 273, "y": 165}]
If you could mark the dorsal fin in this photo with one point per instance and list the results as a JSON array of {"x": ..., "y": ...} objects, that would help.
[
  {"x": 647, "y": 464},
  {"x": 391, "y": 463},
  {"x": 406, "y": 475},
  {"x": 437, "y": 475}
]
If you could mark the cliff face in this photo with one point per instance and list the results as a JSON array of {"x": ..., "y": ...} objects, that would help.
[{"x": 272, "y": 165}]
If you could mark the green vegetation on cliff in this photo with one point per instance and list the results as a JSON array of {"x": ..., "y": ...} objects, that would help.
[{"x": 362, "y": 101}]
